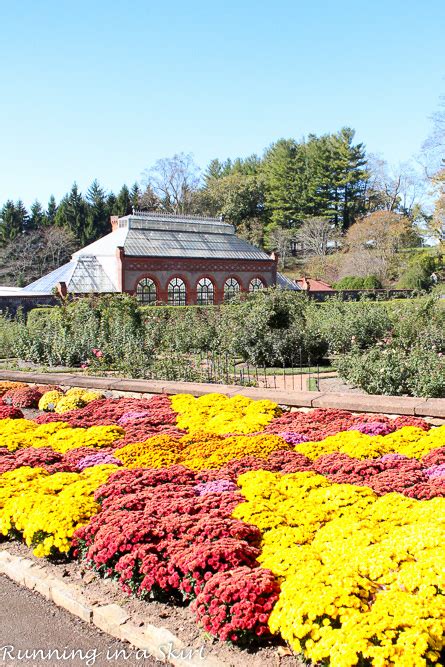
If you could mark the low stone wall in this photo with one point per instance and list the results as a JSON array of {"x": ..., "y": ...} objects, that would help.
[{"x": 393, "y": 405}]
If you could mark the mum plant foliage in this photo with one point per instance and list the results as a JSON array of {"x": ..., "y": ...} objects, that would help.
[
  {"x": 216, "y": 413},
  {"x": 323, "y": 527},
  {"x": 49, "y": 400},
  {"x": 6, "y": 385},
  {"x": 22, "y": 397},
  {"x": 47, "y": 509},
  {"x": 59, "y": 436},
  {"x": 8, "y": 411},
  {"x": 362, "y": 577},
  {"x": 160, "y": 537}
]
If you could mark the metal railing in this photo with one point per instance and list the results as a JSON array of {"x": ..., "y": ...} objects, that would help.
[{"x": 300, "y": 373}]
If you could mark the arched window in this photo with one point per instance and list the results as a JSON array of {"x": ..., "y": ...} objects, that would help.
[
  {"x": 205, "y": 292},
  {"x": 231, "y": 287},
  {"x": 146, "y": 291},
  {"x": 255, "y": 285},
  {"x": 177, "y": 294}
]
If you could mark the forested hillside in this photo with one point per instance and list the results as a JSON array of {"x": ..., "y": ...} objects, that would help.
[{"x": 307, "y": 193}]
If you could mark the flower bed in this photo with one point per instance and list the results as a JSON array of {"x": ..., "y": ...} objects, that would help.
[
  {"x": 7, "y": 386},
  {"x": 22, "y": 397},
  {"x": 362, "y": 577},
  {"x": 8, "y": 411},
  {"x": 323, "y": 527},
  {"x": 320, "y": 423}
]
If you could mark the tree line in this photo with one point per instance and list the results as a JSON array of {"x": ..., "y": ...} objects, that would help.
[{"x": 320, "y": 184}]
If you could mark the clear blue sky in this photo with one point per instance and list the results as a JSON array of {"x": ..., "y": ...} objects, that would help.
[{"x": 102, "y": 89}]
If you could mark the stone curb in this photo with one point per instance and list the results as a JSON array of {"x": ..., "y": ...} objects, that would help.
[
  {"x": 110, "y": 618},
  {"x": 393, "y": 405}
]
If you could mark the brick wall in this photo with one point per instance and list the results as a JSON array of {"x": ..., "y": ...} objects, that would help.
[
  {"x": 11, "y": 304},
  {"x": 162, "y": 270}
]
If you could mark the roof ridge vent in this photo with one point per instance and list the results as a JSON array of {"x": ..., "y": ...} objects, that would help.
[{"x": 175, "y": 216}]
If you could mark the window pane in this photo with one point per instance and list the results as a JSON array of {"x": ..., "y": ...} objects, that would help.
[
  {"x": 231, "y": 287},
  {"x": 146, "y": 291},
  {"x": 255, "y": 285},
  {"x": 176, "y": 292},
  {"x": 205, "y": 292}
]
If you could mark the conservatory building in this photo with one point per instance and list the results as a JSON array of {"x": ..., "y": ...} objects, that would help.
[{"x": 166, "y": 259}]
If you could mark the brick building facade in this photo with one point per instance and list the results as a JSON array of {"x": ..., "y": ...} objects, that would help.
[{"x": 163, "y": 258}]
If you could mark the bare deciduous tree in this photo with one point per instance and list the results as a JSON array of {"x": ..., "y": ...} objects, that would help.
[
  {"x": 318, "y": 236},
  {"x": 364, "y": 262},
  {"x": 31, "y": 255},
  {"x": 174, "y": 181},
  {"x": 59, "y": 244},
  {"x": 434, "y": 146},
  {"x": 373, "y": 241},
  {"x": 434, "y": 163},
  {"x": 279, "y": 239},
  {"x": 437, "y": 224},
  {"x": 401, "y": 189}
]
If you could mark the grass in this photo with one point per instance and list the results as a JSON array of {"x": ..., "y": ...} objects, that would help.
[
  {"x": 296, "y": 370},
  {"x": 312, "y": 384}
]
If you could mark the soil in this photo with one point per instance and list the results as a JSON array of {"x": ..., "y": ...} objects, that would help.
[{"x": 179, "y": 620}]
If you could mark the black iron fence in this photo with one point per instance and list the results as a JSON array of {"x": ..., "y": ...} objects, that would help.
[{"x": 300, "y": 373}]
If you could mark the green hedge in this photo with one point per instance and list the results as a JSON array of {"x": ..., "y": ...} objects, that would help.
[{"x": 355, "y": 282}]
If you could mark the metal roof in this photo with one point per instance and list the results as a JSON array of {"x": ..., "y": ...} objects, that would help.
[
  {"x": 46, "y": 284},
  {"x": 161, "y": 243},
  {"x": 10, "y": 291},
  {"x": 106, "y": 246},
  {"x": 153, "y": 217},
  {"x": 160, "y": 235},
  {"x": 286, "y": 283},
  {"x": 82, "y": 276}
]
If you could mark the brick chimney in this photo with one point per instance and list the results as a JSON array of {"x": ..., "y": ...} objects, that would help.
[
  {"x": 114, "y": 220},
  {"x": 275, "y": 256},
  {"x": 120, "y": 256},
  {"x": 62, "y": 289}
]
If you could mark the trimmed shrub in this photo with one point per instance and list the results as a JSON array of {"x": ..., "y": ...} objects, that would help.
[{"x": 356, "y": 282}]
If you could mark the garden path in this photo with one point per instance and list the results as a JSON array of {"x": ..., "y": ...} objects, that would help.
[{"x": 28, "y": 621}]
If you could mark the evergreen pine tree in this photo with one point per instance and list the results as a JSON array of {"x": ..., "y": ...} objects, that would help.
[
  {"x": 37, "y": 218},
  {"x": 123, "y": 202},
  {"x": 148, "y": 201},
  {"x": 111, "y": 204},
  {"x": 72, "y": 213},
  {"x": 349, "y": 178},
  {"x": 22, "y": 215},
  {"x": 9, "y": 222},
  {"x": 98, "y": 221},
  {"x": 214, "y": 170},
  {"x": 135, "y": 196},
  {"x": 51, "y": 211},
  {"x": 284, "y": 172}
]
